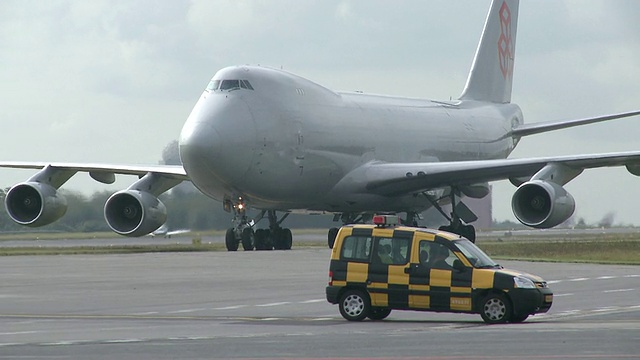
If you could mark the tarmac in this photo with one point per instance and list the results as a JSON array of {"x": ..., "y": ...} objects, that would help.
[{"x": 271, "y": 305}]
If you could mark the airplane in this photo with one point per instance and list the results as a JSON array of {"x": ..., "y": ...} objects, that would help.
[{"x": 266, "y": 139}]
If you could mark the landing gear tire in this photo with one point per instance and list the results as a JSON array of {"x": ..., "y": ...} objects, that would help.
[
  {"x": 247, "y": 239},
  {"x": 282, "y": 239},
  {"x": 230, "y": 240},
  {"x": 496, "y": 309},
  {"x": 287, "y": 239},
  {"x": 469, "y": 232},
  {"x": 354, "y": 305},
  {"x": 331, "y": 237},
  {"x": 276, "y": 238},
  {"x": 260, "y": 239},
  {"x": 379, "y": 313}
]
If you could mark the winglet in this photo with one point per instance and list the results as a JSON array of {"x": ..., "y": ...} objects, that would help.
[{"x": 491, "y": 74}]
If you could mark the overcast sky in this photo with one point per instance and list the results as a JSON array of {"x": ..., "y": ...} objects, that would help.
[{"x": 113, "y": 81}]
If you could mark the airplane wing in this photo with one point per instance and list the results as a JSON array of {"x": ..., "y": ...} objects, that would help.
[
  {"x": 135, "y": 211},
  {"x": 103, "y": 172},
  {"x": 391, "y": 179}
]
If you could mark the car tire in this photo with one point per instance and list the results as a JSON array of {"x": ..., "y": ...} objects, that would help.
[
  {"x": 379, "y": 313},
  {"x": 354, "y": 305},
  {"x": 496, "y": 309},
  {"x": 518, "y": 318}
]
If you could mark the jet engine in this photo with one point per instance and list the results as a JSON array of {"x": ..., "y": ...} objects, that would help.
[
  {"x": 542, "y": 204},
  {"x": 134, "y": 213},
  {"x": 35, "y": 204}
]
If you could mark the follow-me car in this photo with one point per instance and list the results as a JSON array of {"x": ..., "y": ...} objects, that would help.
[{"x": 377, "y": 268}]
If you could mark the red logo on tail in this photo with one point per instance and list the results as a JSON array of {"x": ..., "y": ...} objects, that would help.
[{"x": 505, "y": 42}]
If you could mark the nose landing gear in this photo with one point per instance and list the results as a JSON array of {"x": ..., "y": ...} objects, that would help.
[{"x": 242, "y": 232}]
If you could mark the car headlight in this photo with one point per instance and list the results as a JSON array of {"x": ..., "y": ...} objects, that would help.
[{"x": 523, "y": 283}]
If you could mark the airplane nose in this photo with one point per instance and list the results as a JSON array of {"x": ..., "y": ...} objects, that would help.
[{"x": 217, "y": 142}]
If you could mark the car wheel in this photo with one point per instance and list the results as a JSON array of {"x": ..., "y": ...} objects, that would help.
[
  {"x": 230, "y": 240},
  {"x": 496, "y": 309},
  {"x": 379, "y": 313},
  {"x": 354, "y": 305},
  {"x": 519, "y": 318}
]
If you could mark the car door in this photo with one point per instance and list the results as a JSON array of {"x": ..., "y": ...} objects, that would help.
[
  {"x": 435, "y": 283},
  {"x": 388, "y": 281}
]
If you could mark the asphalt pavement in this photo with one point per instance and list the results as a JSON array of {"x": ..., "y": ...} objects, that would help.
[{"x": 271, "y": 305}]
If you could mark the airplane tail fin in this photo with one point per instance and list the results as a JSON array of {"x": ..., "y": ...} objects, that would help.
[{"x": 491, "y": 74}]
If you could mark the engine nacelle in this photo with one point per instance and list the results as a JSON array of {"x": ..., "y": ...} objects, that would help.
[
  {"x": 34, "y": 204},
  {"x": 541, "y": 204},
  {"x": 134, "y": 213}
]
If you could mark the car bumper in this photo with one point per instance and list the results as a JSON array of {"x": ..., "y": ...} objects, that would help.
[
  {"x": 332, "y": 294},
  {"x": 531, "y": 301}
]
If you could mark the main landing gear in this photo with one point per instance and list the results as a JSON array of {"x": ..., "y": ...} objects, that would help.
[
  {"x": 275, "y": 237},
  {"x": 456, "y": 224}
]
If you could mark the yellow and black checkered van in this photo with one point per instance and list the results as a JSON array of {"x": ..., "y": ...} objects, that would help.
[{"x": 375, "y": 269}]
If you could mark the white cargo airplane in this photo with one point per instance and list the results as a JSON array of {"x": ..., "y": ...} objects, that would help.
[{"x": 267, "y": 139}]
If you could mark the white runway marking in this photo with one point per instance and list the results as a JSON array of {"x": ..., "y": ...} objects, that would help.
[
  {"x": 19, "y": 332},
  {"x": 184, "y": 311},
  {"x": 274, "y": 304},
  {"x": 233, "y": 307},
  {"x": 617, "y": 290}
]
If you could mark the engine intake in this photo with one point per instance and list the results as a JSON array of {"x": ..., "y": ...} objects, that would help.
[
  {"x": 34, "y": 204},
  {"x": 541, "y": 204},
  {"x": 134, "y": 213}
]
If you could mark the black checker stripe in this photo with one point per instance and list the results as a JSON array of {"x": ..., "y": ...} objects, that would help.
[
  {"x": 440, "y": 297},
  {"x": 339, "y": 269},
  {"x": 399, "y": 296},
  {"x": 461, "y": 279},
  {"x": 378, "y": 273},
  {"x": 403, "y": 234},
  {"x": 361, "y": 232}
]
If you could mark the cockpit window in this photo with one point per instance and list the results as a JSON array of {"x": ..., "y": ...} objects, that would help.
[
  {"x": 213, "y": 85},
  {"x": 229, "y": 85},
  {"x": 245, "y": 84}
]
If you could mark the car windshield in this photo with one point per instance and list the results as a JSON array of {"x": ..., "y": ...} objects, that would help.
[{"x": 476, "y": 257}]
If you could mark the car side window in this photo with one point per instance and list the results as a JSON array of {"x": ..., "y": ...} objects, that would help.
[
  {"x": 435, "y": 255},
  {"x": 356, "y": 248},
  {"x": 392, "y": 251}
]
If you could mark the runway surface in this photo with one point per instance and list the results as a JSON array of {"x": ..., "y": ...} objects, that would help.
[{"x": 265, "y": 305}]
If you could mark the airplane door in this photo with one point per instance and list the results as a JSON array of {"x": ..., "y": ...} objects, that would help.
[{"x": 298, "y": 148}]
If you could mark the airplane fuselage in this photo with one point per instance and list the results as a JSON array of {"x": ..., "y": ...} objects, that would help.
[{"x": 287, "y": 143}]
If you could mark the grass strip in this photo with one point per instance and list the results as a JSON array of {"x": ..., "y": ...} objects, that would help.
[{"x": 591, "y": 251}]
